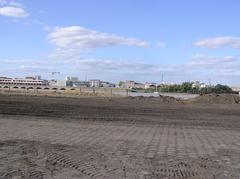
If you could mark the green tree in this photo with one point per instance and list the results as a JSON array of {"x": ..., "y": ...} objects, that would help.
[{"x": 222, "y": 89}]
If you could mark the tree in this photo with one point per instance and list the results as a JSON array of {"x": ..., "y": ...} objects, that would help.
[
  {"x": 222, "y": 89},
  {"x": 186, "y": 86},
  {"x": 121, "y": 83}
]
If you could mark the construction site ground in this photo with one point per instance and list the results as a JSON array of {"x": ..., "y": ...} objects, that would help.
[{"x": 135, "y": 138}]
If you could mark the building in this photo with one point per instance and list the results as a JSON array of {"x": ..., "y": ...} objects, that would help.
[
  {"x": 58, "y": 83},
  {"x": 129, "y": 84},
  {"x": 70, "y": 81},
  {"x": 28, "y": 81},
  {"x": 139, "y": 85},
  {"x": 198, "y": 85},
  {"x": 81, "y": 84},
  {"x": 36, "y": 77},
  {"x": 71, "y": 78},
  {"x": 95, "y": 83},
  {"x": 203, "y": 85},
  {"x": 150, "y": 85},
  {"x": 236, "y": 89},
  {"x": 106, "y": 84},
  {"x": 132, "y": 84}
]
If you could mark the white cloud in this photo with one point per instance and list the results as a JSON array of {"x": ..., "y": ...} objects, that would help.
[
  {"x": 16, "y": 4},
  {"x": 214, "y": 66},
  {"x": 47, "y": 28},
  {"x": 210, "y": 61},
  {"x": 35, "y": 68},
  {"x": 110, "y": 65},
  {"x": 81, "y": 38},
  {"x": 229, "y": 72},
  {"x": 67, "y": 53},
  {"x": 39, "y": 22},
  {"x": 161, "y": 44},
  {"x": 18, "y": 61},
  {"x": 12, "y": 9},
  {"x": 74, "y": 41},
  {"x": 15, "y": 12},
  {"x": 225, "y": 41}
]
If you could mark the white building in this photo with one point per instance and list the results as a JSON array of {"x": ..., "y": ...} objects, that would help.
[
  {"x": 129, "y": 84},
  {"x": 236, "y": 89},
  {"x": 106, "y": 84},
  {"x": 71, "y": 78},
  {"x": 149, "y": 85},
  {"x": 28, "y": 81},
  {"x": 198, "y": 84},
  {"x": 132, "y": 84},
  {"x": 58, "y": 83},
  {"x": 95, "y": 83}
]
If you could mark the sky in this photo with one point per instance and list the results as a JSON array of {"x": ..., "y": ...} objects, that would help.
[{"x": 115, "y": 40}]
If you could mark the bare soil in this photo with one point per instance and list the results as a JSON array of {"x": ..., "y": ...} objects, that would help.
[
  {"x": 70, "y": 138},
  {"x": 217, "y": 99}
]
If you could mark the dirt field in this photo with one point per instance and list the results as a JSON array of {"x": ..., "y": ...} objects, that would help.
[{"x": 140, "y": 138}]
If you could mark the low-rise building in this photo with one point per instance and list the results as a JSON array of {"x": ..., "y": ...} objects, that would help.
[
  {"x": 203, "y": 85},
  {"x": 139, "y": 85},
  {"x": 236, "y": 89},
  {"x": 28, "y": 81},
  {"x": 95, "y": 83},
  {"x": 198, "y": 84},
  {"x": 106, "y": 84},
  {"x": 150, "y": 85},
  {"x": 132, "y": 84},
  {"x": 129, "y": 84},
  {"x": 71, "y": 78},
  {"x": 81, "y": 84},
  {"x": 58, "y": 83}
]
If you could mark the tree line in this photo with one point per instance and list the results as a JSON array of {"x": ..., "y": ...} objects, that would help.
[{"x": 187, "y": 87}]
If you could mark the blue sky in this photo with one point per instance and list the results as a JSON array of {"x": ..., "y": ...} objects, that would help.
[{"x": 119, "y": 40}]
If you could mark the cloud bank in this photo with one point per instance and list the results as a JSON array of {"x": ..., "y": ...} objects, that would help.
[{"x": 199, "y": 67}]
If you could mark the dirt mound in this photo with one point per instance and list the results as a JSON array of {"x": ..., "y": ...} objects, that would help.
[
  {"x": 169, "y": 99},
  {"x": 217, "y": 99},
  {"x": 161, "y": 98}
]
